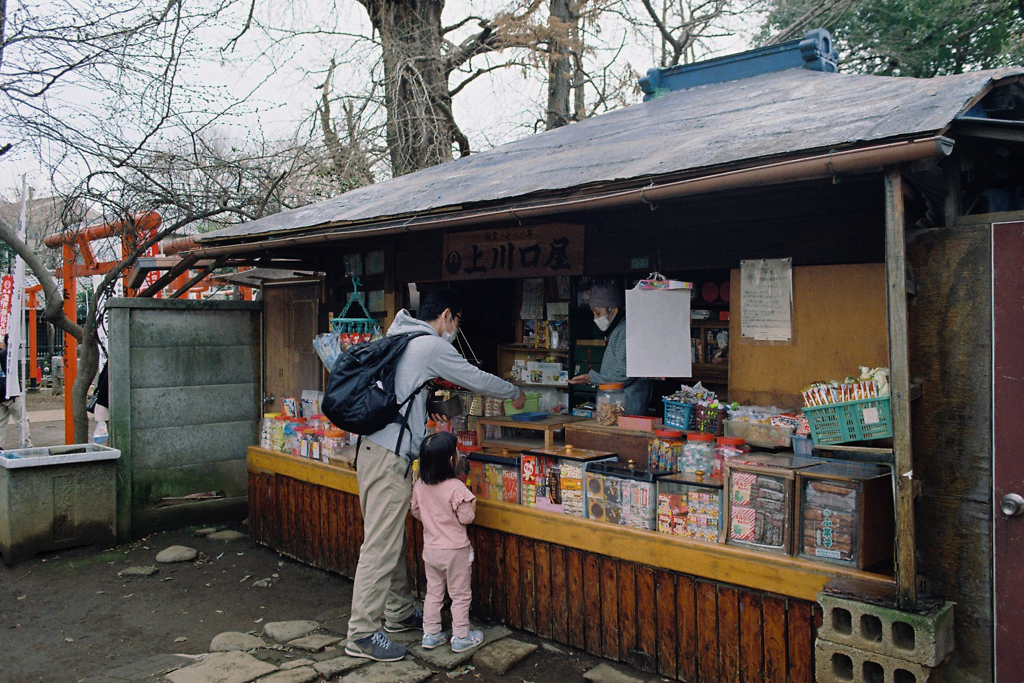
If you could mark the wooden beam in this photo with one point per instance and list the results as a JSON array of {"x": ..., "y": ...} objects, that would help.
[
  {"x": 899, "y": 383},
  {"x": 177, "y": 269},
  {"x": 951, "y": 174},
  {"x": 202, "y": 273}
]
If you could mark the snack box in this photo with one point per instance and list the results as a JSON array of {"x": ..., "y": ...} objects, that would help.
[
  {"x": 552, "y": 479},
  {"x": 494, "y": 474},
  {"x": 845, "y": 514},
  {"x": 760, "y": 500},
  {"x": 624, "y": 495},
  {"x": 691, "y": 506}
]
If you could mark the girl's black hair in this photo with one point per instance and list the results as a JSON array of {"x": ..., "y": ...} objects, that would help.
[{"x": 436, "y": 455}]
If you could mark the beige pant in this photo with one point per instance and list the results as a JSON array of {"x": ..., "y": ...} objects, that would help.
[
  {"x": 12, "y": 409},
  {"x": 381, "y": 584},
  {"x": 451, "y": 571}
]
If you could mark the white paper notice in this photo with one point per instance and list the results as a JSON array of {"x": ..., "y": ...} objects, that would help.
[
  {"x": 658, "y": 333},
  {"x": 870, "y": 416},
  {"x": 533, "y": 299},
  {"x": 766, "y": 299}
]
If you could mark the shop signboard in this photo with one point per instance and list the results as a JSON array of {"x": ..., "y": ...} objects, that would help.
[{"x": 515, "y": 252}]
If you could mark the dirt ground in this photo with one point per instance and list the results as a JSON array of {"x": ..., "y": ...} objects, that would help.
[{"x": 67, "y": 615}]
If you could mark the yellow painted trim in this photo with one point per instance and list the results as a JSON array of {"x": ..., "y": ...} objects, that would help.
[
  {"x": 331, "y": 476},
  {"x": 783, "y": 575}
]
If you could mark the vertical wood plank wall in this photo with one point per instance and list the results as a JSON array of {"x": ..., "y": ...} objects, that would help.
[{"x": 663, "y": 622}]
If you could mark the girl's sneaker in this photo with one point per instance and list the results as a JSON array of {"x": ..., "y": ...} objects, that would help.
[
  {"x": 432, "y": 640},
  {"x": 473, "y": 639}
]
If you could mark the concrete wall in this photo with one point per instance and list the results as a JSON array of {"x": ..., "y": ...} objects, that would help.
[{"x": 185, "y": 394}]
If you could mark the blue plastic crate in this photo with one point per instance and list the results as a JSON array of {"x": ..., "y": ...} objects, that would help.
[{"x": 678, "y": 415}]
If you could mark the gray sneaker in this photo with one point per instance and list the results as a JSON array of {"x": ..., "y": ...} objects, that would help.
[
  {"x": 412, "y": 622},
  {"x": 376, "y": 647},
  {"x": 472, "y": 639},
  {"x": 432, "y": 640}
]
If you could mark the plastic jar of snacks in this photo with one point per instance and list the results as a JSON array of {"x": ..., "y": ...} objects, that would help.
[
  {"x": 665, "y": 450},
  {"x": 293, "y": 435},
  {"x": 267, "y": 430},
  {"x": 698, "y": 453},
  {"x": 279, "y": 427},
  {"x": 611, "y": 403},
  {"x": 728, "y": 446},
  {"x": 334, "y": 443}
]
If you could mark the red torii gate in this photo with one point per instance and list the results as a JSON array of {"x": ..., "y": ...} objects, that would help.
[
  {"x": 133, "y": 230},
  {"x": 141, "y": 282}
]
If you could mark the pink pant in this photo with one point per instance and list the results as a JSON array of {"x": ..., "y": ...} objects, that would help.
[{"x": 451, "y": 569}]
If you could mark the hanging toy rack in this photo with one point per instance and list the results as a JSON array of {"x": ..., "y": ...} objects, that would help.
[{"x": 350, "y": 324}]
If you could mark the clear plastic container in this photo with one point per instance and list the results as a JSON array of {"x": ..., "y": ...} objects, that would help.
[
  {"x": 698, "y": 454},
  {"x": 665, "y": 451},
  {"x": 316, "y": 445},
  {"x": 280, "y": 422},
  {"x": 293, "y": 435},
  {"x": 334, "y": 443},
  {"x": 267, "y": 430},
  {"x": 611, "y": 403},
  {"x": 728, "y": 446}
]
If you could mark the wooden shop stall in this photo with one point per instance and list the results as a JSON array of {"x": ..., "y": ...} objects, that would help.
[{"x": 720, "y": 187}]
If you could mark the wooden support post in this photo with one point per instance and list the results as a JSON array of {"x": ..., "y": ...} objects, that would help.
[
  {"x": 951, "y": 174},
  {"x": 899, "y": 383}
]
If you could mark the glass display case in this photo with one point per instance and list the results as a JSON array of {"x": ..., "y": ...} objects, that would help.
[
  {"x": 760, "y": 506},
  {"x": 619, "y": 494},
  {"x": 846, "y": 514},
  {"x": 691, "y": 506},
  {"x": 552, "y": 479},
  {"x": 494, "y": 474}
]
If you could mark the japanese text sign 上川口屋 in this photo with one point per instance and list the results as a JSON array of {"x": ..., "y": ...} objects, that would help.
[{"x": 523, "y": 251}]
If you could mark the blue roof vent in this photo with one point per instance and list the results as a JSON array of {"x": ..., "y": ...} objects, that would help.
[{"x": 815, "y": 51}]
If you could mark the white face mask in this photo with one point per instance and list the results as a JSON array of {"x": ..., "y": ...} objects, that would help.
[
  {"x": 449, "y": 336},
  {"x": 602, "y": 323}
]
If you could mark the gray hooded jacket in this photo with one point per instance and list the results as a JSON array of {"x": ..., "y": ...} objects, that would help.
[{"x": 425, "y": 358}]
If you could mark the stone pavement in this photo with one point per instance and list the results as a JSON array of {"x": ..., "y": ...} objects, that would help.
[
  {"x": 312, "y": 650},
  {"x": 306, "y": 651}
]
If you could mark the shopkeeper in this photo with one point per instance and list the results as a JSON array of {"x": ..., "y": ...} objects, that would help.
[{"x": 607, "y": 302}]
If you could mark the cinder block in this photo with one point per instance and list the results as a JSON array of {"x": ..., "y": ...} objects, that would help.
[
  {"x": 925, "y": 639},
  {"x": 835, "y": 663}
]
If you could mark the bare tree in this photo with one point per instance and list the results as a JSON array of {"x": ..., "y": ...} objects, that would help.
[
  {"x": 94, "y": 90},
  {"x": 682, "y": 25}
]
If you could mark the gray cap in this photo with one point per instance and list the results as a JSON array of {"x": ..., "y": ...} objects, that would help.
[{"x": 607, "y": 296}]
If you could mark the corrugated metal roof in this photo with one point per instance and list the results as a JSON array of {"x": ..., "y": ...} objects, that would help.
[{"x": 780, "y": 114}]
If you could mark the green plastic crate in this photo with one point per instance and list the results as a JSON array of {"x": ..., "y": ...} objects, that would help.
[
  {"x": 844, "y": 422},
  {"x": 532, "y": 404}
]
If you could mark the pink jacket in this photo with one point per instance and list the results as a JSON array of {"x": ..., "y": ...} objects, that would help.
[{"x": 445, "y": 509}]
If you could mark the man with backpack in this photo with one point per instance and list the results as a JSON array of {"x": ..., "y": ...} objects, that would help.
[{"x": 385, "y": 476}]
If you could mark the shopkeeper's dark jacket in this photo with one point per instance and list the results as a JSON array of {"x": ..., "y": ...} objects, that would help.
[{"x": 613, "y": 369}]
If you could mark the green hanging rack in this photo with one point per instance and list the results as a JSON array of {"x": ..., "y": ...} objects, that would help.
[{"x": 344, "y": 323}]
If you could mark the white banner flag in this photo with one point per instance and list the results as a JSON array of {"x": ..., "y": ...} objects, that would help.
[{"x": 14, "y": 325}]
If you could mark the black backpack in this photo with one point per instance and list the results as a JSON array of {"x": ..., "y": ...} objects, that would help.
[{"x": 360, "y": 394}]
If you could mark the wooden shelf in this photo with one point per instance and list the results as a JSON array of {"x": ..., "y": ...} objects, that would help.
[
  {"x": 533, "y": 349},
  {"x": 520, "y": 383},
  {"x": 548, "y": 426}
]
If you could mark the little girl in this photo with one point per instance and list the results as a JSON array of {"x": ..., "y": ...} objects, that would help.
[{"x": 445, "y": 505}]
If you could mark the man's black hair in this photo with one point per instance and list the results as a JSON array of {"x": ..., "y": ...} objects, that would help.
[
  {"x": 434, "y": 303},
  {"x": 436, "y": 454}
]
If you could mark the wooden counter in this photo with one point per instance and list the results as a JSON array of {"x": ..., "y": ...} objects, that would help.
[{"x": 682, "y": 608}]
